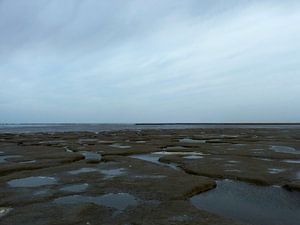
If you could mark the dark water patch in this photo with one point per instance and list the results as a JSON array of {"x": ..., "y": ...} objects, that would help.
[
  {"x": 75, "y": 188},
  {"x": 119, "y": 201},
  {"x": 251, "y": 204},
  {"x": 32, "y": 181}
]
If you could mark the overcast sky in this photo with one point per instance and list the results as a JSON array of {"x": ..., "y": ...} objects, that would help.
[{"x": 149, "y": 61}]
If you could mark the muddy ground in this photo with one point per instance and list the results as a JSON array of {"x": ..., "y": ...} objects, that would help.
[{"x": 93, "y": 178}]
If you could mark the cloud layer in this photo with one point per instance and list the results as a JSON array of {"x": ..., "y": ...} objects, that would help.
[{"x": 149, "y": 61}]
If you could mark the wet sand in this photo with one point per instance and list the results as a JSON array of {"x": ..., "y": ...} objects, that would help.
[{"x": 145, "y": 176}]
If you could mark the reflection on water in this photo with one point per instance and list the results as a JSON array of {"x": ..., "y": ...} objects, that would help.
[
  {"x": 4, "y": 211},
  {"x": 110, "y": 173},
  {"x": 75, "y": 187},
  {"x": 193, "y": 157},
  {"x": 154, "y": 158},
  {"x": 83, "y": 170},
  {"x": 251, "y": 204},
  {"x": 3, "y": 158},
  {"x": 284, "y": 149},
  {"x": 192, "y": 141},
  {"x": 119, "y": 201},
  {"x": 91, "y": 155},
  {"x": 292, "y": 161},
  {"x": 120, "y": 146},
  {"x": 32, "y": 181}
]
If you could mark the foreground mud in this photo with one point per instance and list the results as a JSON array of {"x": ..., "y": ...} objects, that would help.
[{"x": 99, "y": 178}]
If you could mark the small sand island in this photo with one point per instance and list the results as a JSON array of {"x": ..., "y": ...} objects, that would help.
[{"x": 154, "y": 176}]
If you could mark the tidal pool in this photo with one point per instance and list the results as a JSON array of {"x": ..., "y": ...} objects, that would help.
[
  {"x": 192, "y": 141},
  {"x": 92, "y": 155},
  {"x": 75, "y": 187},
  {"x": 177, "y": 153},
  {"x": 111, "y": 173},
  {"x": 296, "y": 161},
  {"x": 284, "y": 149},
  {"x": 251, "y": 204},
  {"x": 3, "y": 158},
  {"x": 4, "y": 211},
  {"x": 120, "y": 146},
  {"x": 154, "y": 158},
  {"x": 119, "y": 201},
  {"x": 193, "y": 157},
  {"x": 83, "y": 170},
  {"x": 32, "y": 181}
]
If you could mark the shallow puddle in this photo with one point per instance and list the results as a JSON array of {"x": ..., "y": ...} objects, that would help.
[
  {"x": 275, "y": 170},
  {"x": 29, "y": 161},
  {"x": 87, "y": 140},
  {"x": 3, "y": 158},
  {"x": 119, "y": 201},
  {"x": 192, "y": 141},
  {"x": 32, "y": 181},
  {"x": 4, "y": 211},
  {"x": 193, "y": 157},
  {"x": 83, "y": 170},
  {"x": 284, "y": 149},
  {"x": 41, "y": 192},
  {"x": 75, "y": 188},
  {"x": 52, "y": 142},
  {"x": 171, "y": 148},
  {"x": 120, "y": 146},
  {"x": 154, "y": 158},
  {"x": 92, "y": 155},
  {"x": 251, "y": 204},
  {"x": 182, "y": 218},
  {"x": 110, "y": 173},
  {"x": 150, "y": 176},
  {"x": 178, "y": 153},
  {"x": 296, "y": 161}
]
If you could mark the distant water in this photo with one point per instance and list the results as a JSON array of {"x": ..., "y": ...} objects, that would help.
[{"x": 94, "y": 127}]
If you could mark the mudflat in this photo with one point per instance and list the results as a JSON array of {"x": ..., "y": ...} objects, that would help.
[{"x": 143, "y": 176}]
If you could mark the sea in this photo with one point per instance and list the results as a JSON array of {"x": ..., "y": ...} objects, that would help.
[{"x": 99, "y": 127}]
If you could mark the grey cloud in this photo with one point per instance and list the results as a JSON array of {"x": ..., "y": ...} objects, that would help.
[{"x": 77, "y": 61}]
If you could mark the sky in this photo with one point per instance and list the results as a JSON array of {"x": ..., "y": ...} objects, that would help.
[{"x": 117, "y": 61}]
